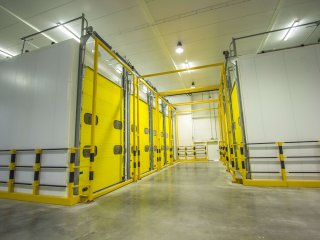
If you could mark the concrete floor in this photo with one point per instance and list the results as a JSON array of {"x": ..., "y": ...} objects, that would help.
[{"x": 186, "y": 201}]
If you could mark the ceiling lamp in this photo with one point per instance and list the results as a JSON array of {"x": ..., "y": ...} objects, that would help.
[
  {"x": 179, "y": 48},
  {"x": 193, "y": 85},
  {"x": 291, "y": 30}
]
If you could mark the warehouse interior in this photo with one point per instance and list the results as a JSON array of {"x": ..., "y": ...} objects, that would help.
[{"x": 158, "y": 119}]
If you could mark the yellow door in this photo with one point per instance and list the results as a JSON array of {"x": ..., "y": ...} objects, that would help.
[
  {"x": 144, "y": 137},
  {"x": 236, "y": 118},
  {"x": 108, "y": 162}
]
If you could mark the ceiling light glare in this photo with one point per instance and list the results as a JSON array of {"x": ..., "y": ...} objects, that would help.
[
  {"x": 179, "y": 48},
  {"x": 291, "y": 30},
  {"x": 5, "y": 53},
  {"x": 68, "y": 32},
  {"x": 119, "y": 70}
]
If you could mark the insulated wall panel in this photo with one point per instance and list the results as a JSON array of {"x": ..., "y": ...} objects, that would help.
[
  {"x": 280, "y": 93},
  {"x": 38, "y": 96},
  {"x": 37, "y": 110},
  {"x": 185, "y": 125}
]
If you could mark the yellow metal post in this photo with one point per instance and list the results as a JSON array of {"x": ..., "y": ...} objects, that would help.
[
  {"x": 138, "y": 125},
  {"x": 281, "y": 158},
  {"x": 170, "y": 135},
  {"x": 12, "y": 168},
  {"x": 71, "y": 172},
  {"x": 93, "y": 119},
  {"x": 133, "y": 128},
  {"x": 242, "y": 161},
  {"x": 228, "y": 125},
  {"x": 36, "y": 168}
]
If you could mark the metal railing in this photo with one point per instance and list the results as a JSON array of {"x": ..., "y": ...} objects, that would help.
[{"x": 233, "y": 156}]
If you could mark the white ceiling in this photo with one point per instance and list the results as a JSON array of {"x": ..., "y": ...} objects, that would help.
[{"x": 147, "y": 31}]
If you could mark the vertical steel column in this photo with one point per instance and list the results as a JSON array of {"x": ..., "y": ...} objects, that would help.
[
  {"x": 234, "y": 46},
  {"x": 170, "y": 135},
  {"x": 243, "y": 128},
  {"x": 163, "y": 106},
  {"x": 77, "y": 143},
  {"x": 158, "y": 134},
  {"x": 126, "y": 84},
  {"x": 138, "y": 124},
  {"x": 234, "y": 144},
  {"x": 177, "y": 135},
  {"x": 150, "y": 109},
  {"x": 227, "y": 119},
  {"x": 133, "y": 129}
]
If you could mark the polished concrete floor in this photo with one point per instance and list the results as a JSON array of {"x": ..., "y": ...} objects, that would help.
[{"x": 186, "y": 201}]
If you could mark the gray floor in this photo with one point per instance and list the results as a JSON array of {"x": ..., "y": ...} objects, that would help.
[{"x": 187, "y": 201}]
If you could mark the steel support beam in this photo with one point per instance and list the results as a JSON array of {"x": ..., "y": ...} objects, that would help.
[
  {"x": 190, "y": 90},
  {"x": 195, "y": 102},
  {"x": 183, "y": 70},
  {"x": 196, "y": 110}
]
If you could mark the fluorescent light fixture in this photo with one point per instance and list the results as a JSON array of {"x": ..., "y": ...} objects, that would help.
[
  {"x": 179, "y": 48},
  {"x": 291, "y": 30},
  {"x": 68, "y": 32},
  {"x": 5, "y": 53},
  {"x": 193, "y": 85}
]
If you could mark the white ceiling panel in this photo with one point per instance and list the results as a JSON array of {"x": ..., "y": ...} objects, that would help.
[{"x": 146, "y": 31}]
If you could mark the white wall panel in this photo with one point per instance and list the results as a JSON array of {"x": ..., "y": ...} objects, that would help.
[
  {"x": 213, "y": 151},
  {"x": 37, "y": 110},
  {"x": 37, "y": 98},
  {"x": 185, "y": 130},
  {"x": 280, "y": 93}
]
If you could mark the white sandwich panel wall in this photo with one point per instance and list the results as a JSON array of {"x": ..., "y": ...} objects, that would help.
[
  {"x": 280, "y": 102},
  {"x": 185, "y": 130},
  {"x": 38, "y": 92}
]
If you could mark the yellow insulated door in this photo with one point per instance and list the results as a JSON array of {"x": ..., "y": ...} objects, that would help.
[
  {"x": 144, "y": 137},
  {"x": 108, "y": 163}
]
